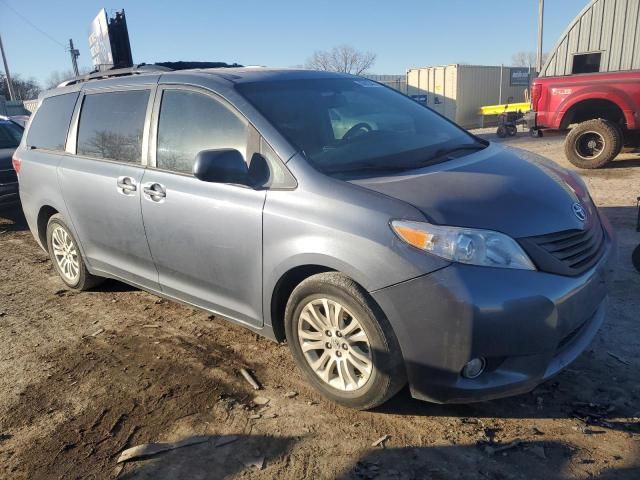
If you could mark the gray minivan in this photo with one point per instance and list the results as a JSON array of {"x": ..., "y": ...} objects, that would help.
[{"x": 386, "y": 244}]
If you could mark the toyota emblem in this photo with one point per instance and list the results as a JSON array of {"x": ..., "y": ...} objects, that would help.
[{"x": 579, "y": 212}]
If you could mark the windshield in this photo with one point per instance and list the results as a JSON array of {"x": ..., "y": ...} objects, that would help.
[
  {"x": 356, "y": 125},
  {"x": 10, "y": 134}
]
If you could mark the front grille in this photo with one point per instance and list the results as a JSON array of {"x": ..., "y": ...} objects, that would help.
[
  {"x": 571, "y": 252},
  {"x": 8, "y": 176}
]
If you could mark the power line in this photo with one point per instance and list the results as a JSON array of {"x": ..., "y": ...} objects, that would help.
[{"x": 26, "y": 20}]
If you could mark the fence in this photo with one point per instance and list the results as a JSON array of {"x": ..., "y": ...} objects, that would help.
[{"x": 398, "y": 82}]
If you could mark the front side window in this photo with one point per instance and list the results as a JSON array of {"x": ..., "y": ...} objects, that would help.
[
  {"x": 111, "y": 125},
  {"x": 355, "y": 125},
  {"x": 190, "y": 122},
  {"x": 50, "y": 124},
  {"x": 10, "y": 134}
]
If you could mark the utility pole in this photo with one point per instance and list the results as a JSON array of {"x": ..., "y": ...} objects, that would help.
[
  {"x": 12, "y": 94},
  {"x": 540, "y": 26},
  {"x": 74, "y": 57}
]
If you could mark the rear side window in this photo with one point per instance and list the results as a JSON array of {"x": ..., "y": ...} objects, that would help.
[
  {"x": 111, "y": 125},
  {"x": 191, "y": 122},
  {"x": 50, "y": 124}
]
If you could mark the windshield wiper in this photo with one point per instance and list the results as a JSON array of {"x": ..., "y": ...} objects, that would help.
[
  {"x": 444, "y": 152},
  {"x": 436, "y": 157}
]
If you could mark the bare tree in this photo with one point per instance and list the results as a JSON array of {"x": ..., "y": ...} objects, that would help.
[
  {"x": 526, "y": 59},
  {"x": 343, "y": 59},
  {"x": 56, "y": 77},
  {"x": 24, "y": 89}
]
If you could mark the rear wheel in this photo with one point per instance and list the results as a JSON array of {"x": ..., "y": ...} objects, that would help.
[
  {"x": 593, "y": 144},
  {"x": 66, "y": 256},
  {"x": 343, "y": 342},
  {"x": 502, "y": 131}
]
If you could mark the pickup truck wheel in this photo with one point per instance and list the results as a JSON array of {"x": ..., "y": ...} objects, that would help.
[
  {"x": 66, "y": 256},
  {"x": 343, "y": 342},
  {"x": 593, "y": 143}
]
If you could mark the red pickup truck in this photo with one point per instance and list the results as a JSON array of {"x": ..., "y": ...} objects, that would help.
[{"x": 603, "y": 108}]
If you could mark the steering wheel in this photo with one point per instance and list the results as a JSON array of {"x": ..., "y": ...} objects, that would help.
[{"x": 358, "y": 127}]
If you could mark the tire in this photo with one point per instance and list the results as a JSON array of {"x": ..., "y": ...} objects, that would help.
[
  {"x": 66, "y": 257},
  {"x": 593, "y": 144},
  {"x": 347, "y": 379},
  {"x": 512, "y": 130},
  {"x": 502, "y": 131}
]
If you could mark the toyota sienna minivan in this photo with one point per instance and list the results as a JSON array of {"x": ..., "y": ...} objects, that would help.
[{"x": 383, "y": 242}]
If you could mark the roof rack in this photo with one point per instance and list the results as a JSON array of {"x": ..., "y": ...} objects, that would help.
[
  {"x": 145, "y": 68},
  {"x": 116, "y": 72}
]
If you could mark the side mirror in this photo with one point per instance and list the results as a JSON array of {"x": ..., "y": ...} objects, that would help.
[{"x": 221, "y": 166}]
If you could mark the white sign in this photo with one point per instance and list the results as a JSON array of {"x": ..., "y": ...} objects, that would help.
[{"x": 99, "y": 43}]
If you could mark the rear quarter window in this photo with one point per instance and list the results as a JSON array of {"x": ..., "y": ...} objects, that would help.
[{"x": 50, "y": 123}]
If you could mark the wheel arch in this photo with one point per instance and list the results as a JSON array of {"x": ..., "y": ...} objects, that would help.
[
  {"x": 592, "y": 109},
  {"x": 282, "y": 290},
  {"x": 44, "y": 214}
]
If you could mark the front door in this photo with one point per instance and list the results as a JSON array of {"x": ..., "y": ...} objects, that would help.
[
  {"x": 101, "y": 184},
  {"x": 205, "y": 238}
]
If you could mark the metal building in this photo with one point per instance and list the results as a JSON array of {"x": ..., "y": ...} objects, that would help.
[
  {"x": 458, "y": 91},
  {"x": 604, "y": 37}
]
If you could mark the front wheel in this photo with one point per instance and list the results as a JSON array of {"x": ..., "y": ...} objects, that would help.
[{"x": 343, "y": 342}]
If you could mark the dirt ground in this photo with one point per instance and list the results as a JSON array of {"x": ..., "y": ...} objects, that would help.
[{"x": 85, "y": 375}]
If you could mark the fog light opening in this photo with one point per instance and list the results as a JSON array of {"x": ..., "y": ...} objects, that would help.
[{"x": 474, "y": 368}]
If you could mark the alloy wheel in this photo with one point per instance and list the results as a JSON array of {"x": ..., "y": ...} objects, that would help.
[
  {"x": 65, "y": 253},
  {"x": 590, "y": 145},
  {"x": 335, "y": 345}
]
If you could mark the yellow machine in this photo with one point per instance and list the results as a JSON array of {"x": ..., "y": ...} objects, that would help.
[{"x": 510, "y": 114}]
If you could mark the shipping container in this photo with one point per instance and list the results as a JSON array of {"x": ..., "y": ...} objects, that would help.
[{"x": 458, "y": 91}]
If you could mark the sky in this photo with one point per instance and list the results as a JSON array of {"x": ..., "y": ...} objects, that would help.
[{"x": 284, "y": 33}]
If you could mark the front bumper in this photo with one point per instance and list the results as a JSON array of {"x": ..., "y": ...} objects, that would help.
[{"x": 529, "y": 325}]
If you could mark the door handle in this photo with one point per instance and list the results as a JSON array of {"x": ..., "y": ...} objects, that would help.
[
  {"x": 126, "y": 185},
  {"x": 154, "y": 191}
]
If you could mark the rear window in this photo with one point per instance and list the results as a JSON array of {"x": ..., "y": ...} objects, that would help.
[
  {"x": 50, "y": 124},
  {"x": 10, "y": 134},
  {"x": 111, "y": 125}
]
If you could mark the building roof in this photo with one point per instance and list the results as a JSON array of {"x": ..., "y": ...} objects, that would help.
[{"x": 611, "y": 27}]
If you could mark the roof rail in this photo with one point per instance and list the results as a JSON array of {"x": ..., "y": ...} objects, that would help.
[{"x": 117, "y": 72}]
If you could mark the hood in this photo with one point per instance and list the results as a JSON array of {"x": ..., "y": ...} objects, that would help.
[
  {"x": 502, "y": 189},
  {"x": 5, "y": 158}
]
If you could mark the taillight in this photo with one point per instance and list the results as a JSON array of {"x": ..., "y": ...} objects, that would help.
[
  {"x": 16, "y": 162},
  {"x": 536, "y": 93}
]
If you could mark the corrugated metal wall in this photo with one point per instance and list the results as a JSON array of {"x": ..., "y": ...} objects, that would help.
[
  {"x": 611, "y": 27},
  {"x": 458, "y": 91}
]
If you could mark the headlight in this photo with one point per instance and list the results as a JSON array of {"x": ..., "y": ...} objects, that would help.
[{"x": 464, "y": 245}]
